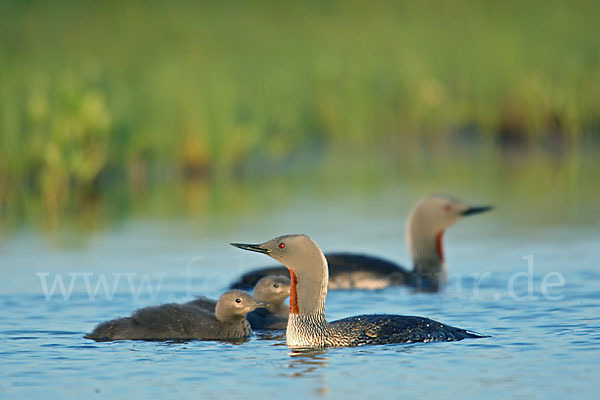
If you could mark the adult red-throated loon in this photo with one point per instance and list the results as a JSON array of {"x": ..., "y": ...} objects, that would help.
[
  {"x": 307, "y": 325},
  {"x": 424, "y": 230}
]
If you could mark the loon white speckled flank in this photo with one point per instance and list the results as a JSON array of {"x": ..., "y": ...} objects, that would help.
[
  {"x": 424, "y": 230},
  {"x": 184, "y": 321},
  {"x": 272, "y": 290},
  {"x": 307, "y": 325}
]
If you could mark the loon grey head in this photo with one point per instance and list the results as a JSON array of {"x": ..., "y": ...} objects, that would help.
[
  {"x": 272, "y": 289},
  {"x": 235, "y": 304},
  {"x": 307, "y": 265},
  {"x": 426, "y": 224}
]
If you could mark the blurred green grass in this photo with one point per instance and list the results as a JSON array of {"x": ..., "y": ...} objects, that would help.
[{"x": 93, "y": 92}]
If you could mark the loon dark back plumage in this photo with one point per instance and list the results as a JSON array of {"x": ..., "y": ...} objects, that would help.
[
  {"x": 424, "y": 231},
  {"x": 307, "y": 325}
]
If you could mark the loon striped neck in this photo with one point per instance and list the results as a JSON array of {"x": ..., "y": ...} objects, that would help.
[
  {"x": 307, "y": 330},
  {"x": 307, "y": 324},
  {"x": 309, "y": 288},
  {"x": 428, "y": 258},
  {"x": 424, "y": 233},
  {"x": 309, "y": 276}
]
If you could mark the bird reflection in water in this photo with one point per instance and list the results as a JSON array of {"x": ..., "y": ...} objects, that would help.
[
  {"x": 305, "y": 361},
  {"x": 278, "y": 335}
]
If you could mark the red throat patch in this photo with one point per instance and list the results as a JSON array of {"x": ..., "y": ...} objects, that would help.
[
  {"x": 293, "y": 293},
  {"x": 438, "y": 242}
]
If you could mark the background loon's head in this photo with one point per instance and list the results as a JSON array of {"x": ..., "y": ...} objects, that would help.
[
  {"x": 436, "y": 213},
  {"x": 428, "y": 220}
]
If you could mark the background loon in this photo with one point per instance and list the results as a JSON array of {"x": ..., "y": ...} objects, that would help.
[
  {"x": 307, "y": 325},
  {"x": 424, "y": 230},
  {"x": 184, "y": 321}
]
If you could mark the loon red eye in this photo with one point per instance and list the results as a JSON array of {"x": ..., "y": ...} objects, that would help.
[
  {"x": 282, "y": 245},
  {"x": 447, "y": 207}
]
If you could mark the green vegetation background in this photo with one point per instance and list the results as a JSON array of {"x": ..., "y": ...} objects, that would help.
[{"x": 95, "y": 94}]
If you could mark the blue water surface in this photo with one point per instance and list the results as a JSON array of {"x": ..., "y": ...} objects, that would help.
[{"x": 544, "y": 339}]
